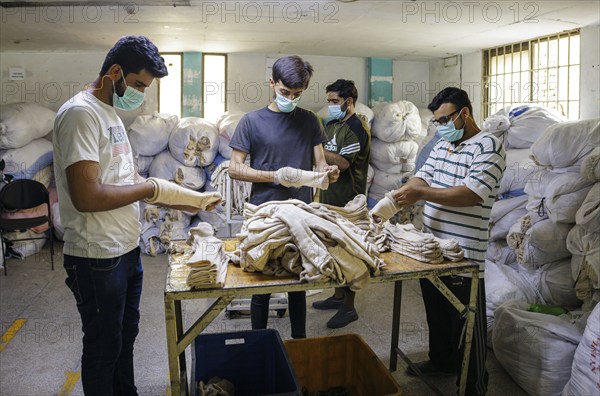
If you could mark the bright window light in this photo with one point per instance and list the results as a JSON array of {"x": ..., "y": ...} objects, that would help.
[
  {"x": 213, "y": 89},
  {"x": 169, "y": 100}
]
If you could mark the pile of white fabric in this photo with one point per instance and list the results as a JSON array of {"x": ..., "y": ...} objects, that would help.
[
  {"x": 317, "y": 242},
  {"x": 396, "y": 134},
  {"x": 195, "y": 142},
  {"x": 226, "y": 125},
  {"x": 422, "y": 246},
  {"x": 207, "y": 266},
  {"x": 536, "y": 349}
]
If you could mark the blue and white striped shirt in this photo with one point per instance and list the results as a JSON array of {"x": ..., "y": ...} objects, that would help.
[{"x": 477, "y": 163}]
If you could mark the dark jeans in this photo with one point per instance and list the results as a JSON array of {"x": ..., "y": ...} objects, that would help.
[
  {"x": 259, "y": 312},
  {"x": 445, "y": 328},
  {"x": 107, "y": 292}
]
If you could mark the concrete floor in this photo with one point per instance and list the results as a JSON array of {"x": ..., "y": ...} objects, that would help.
[{"x": 43, "y": 356}]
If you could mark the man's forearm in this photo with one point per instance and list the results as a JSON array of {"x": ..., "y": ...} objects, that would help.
[
  {"x": 452, "y": 196},
  {"x": 245, "y": 173},
  {"x": 336, "y": 159}
]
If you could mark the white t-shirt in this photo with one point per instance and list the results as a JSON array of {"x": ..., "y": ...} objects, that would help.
[{"x": 86, "y": 129}]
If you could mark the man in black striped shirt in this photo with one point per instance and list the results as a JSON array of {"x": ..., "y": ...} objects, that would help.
[{"x": 459, "y": 183}]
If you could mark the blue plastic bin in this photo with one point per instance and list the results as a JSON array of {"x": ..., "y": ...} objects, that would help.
[{"x": 255, "y": 361}]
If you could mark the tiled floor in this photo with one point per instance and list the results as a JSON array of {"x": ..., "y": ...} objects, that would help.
[{"x": 43, "y": 356}]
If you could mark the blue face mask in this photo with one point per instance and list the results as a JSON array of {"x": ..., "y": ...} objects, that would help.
[
  {"x": 449, "y": 131},
  {"x": 131, "y": 99},
  {"x": 336, "y": 113},
  {"x": 284, "y": 104}
]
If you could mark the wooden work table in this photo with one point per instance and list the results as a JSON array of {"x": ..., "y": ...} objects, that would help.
[{"x": 244, "y": 284}]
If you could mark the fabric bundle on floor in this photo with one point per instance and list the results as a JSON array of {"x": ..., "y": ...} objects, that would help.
[
  {"x": 149, "y": 134},
  {"x": 208, "y": 264},
  {"x": 314, "y": 241},
  {"x": 590, "y": 166},
  {"x": 585, "y": 264},
  {"x": 21, "y": 123},
  {"x": 505, "y": 213},
  {"x": 424, "y": 247},
  {"x": 195, "y": 142}
]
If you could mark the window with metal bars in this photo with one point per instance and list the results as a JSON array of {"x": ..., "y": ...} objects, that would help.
[{"x": 543, "y": 71}]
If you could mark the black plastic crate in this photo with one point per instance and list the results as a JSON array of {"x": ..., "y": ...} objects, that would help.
[{"x": 255, "y": 361}]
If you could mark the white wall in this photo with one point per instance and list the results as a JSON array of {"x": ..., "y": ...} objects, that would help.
[
  {"x": 53, "y": 78},
  {"x": 410, "y": 82},
  {"x": 590, "y": 73},
  {"x": 248, "y": 87}
]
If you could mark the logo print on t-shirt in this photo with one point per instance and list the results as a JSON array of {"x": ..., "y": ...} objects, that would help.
[
  {"x": 118, "y": 141},
  {"x": 331, "y": 145}
]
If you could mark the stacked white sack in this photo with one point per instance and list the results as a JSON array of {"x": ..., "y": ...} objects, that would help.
[
  {"x": 21, "y": 123},
  {"x": 226, "y": 125},
  {"x": 195, "y": 142},
  {"x": 394, "y": 148},
  {"x": 519, "y": 126},
  {"x": 585, "y": 372},
  {"x": 149, "y": 134}
]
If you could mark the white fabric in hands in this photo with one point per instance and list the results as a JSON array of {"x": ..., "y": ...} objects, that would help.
[
  {"x": 168, "y": 193},
  {"x": 292, "y": 177},
  {"x": 386, "y": 208}
]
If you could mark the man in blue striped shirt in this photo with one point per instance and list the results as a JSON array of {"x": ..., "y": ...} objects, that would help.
[{"x": 459, "y": 183}]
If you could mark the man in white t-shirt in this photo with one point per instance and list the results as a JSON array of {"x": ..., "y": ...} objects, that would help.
[{"x": 98, "y": 191}]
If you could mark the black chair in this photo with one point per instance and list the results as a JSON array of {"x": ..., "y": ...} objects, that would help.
[{"x": 25, "y": 194}]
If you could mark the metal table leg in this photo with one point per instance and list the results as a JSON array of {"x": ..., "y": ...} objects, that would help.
[
  {"x": 468, "y": 340},
  {"x": 395, "y": 324}
]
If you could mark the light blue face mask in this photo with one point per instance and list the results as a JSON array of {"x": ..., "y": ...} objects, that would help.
[
  {"x": 284, "y": 104},
  {"x": 449, "y": 131},
  {"x": 336, "y": 113},
  {"x": 131, "y": 99}
]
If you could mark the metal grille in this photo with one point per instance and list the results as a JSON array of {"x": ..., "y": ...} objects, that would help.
[{"x": 544, "y": 71}]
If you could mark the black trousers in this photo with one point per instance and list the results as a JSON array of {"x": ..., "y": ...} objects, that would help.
[
  {"x": 445, "y": 330},
  {"x": 259, "y": 312}
]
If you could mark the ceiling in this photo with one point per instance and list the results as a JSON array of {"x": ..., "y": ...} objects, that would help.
[{"x": 409, "y": 30}]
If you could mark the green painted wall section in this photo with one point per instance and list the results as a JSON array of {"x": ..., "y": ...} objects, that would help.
[
  {"x": 192, "y": 84},
  {"x": 381, "y": 71}
]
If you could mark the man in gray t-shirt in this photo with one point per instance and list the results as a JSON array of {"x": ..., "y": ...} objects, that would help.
[{"x": 279, "y": 136}]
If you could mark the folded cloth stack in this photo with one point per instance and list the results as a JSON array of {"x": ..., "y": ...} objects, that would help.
[
  {"x": 406, "y": 240},
  {"x": 451, "y": 249},
  {"x": 313, "y": 241},
  {"x": 208, "y": 265},
  {"x": 355, "y": 211}
]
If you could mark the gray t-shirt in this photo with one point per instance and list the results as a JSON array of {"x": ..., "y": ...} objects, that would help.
[{"x": 274, "y": 140}]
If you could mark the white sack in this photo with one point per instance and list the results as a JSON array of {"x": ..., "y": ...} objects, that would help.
[
  {"x": 370, "y": 176},
  {"x": 562, "y": 194},
  {"x": 164, "y": 166},
  {"x": 377, "y": 192},
  {"x": 590, "y": 166},
  {"x": 543, "y": 243},
  {"x": 195, "y": 142},
  {"x": 28, "y": 247},
  {"x": 387, "y": 155},
  {"x": 142, "y": 164},
  {"x": 390, "y": 181},
  {"x": 149, "y": 134},
  {"x": 20, "y": 123},
  {"x": 588, "y": 215},
  {"x": 527, "y": 123},
  {"x": 24, "y": 162},
  {"x": 585, "y": 264},
  {"x": 566, "y": 144},
  {"x": 226, "y": 125},
  {"x": 585, "y": 371},
  {"x": 503, "y": 283},
  {"x": 505, "y": 213},
  {"x": 519, "y": 169},
  {"x": 393, "y": 122},
  {"x": 556, "y": 285},
  {"x": 535, "y": 349},
  {"x": 500, "y": 253}
]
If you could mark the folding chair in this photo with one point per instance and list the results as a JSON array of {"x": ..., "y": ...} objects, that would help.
[{"x": 25, "y": 194}]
